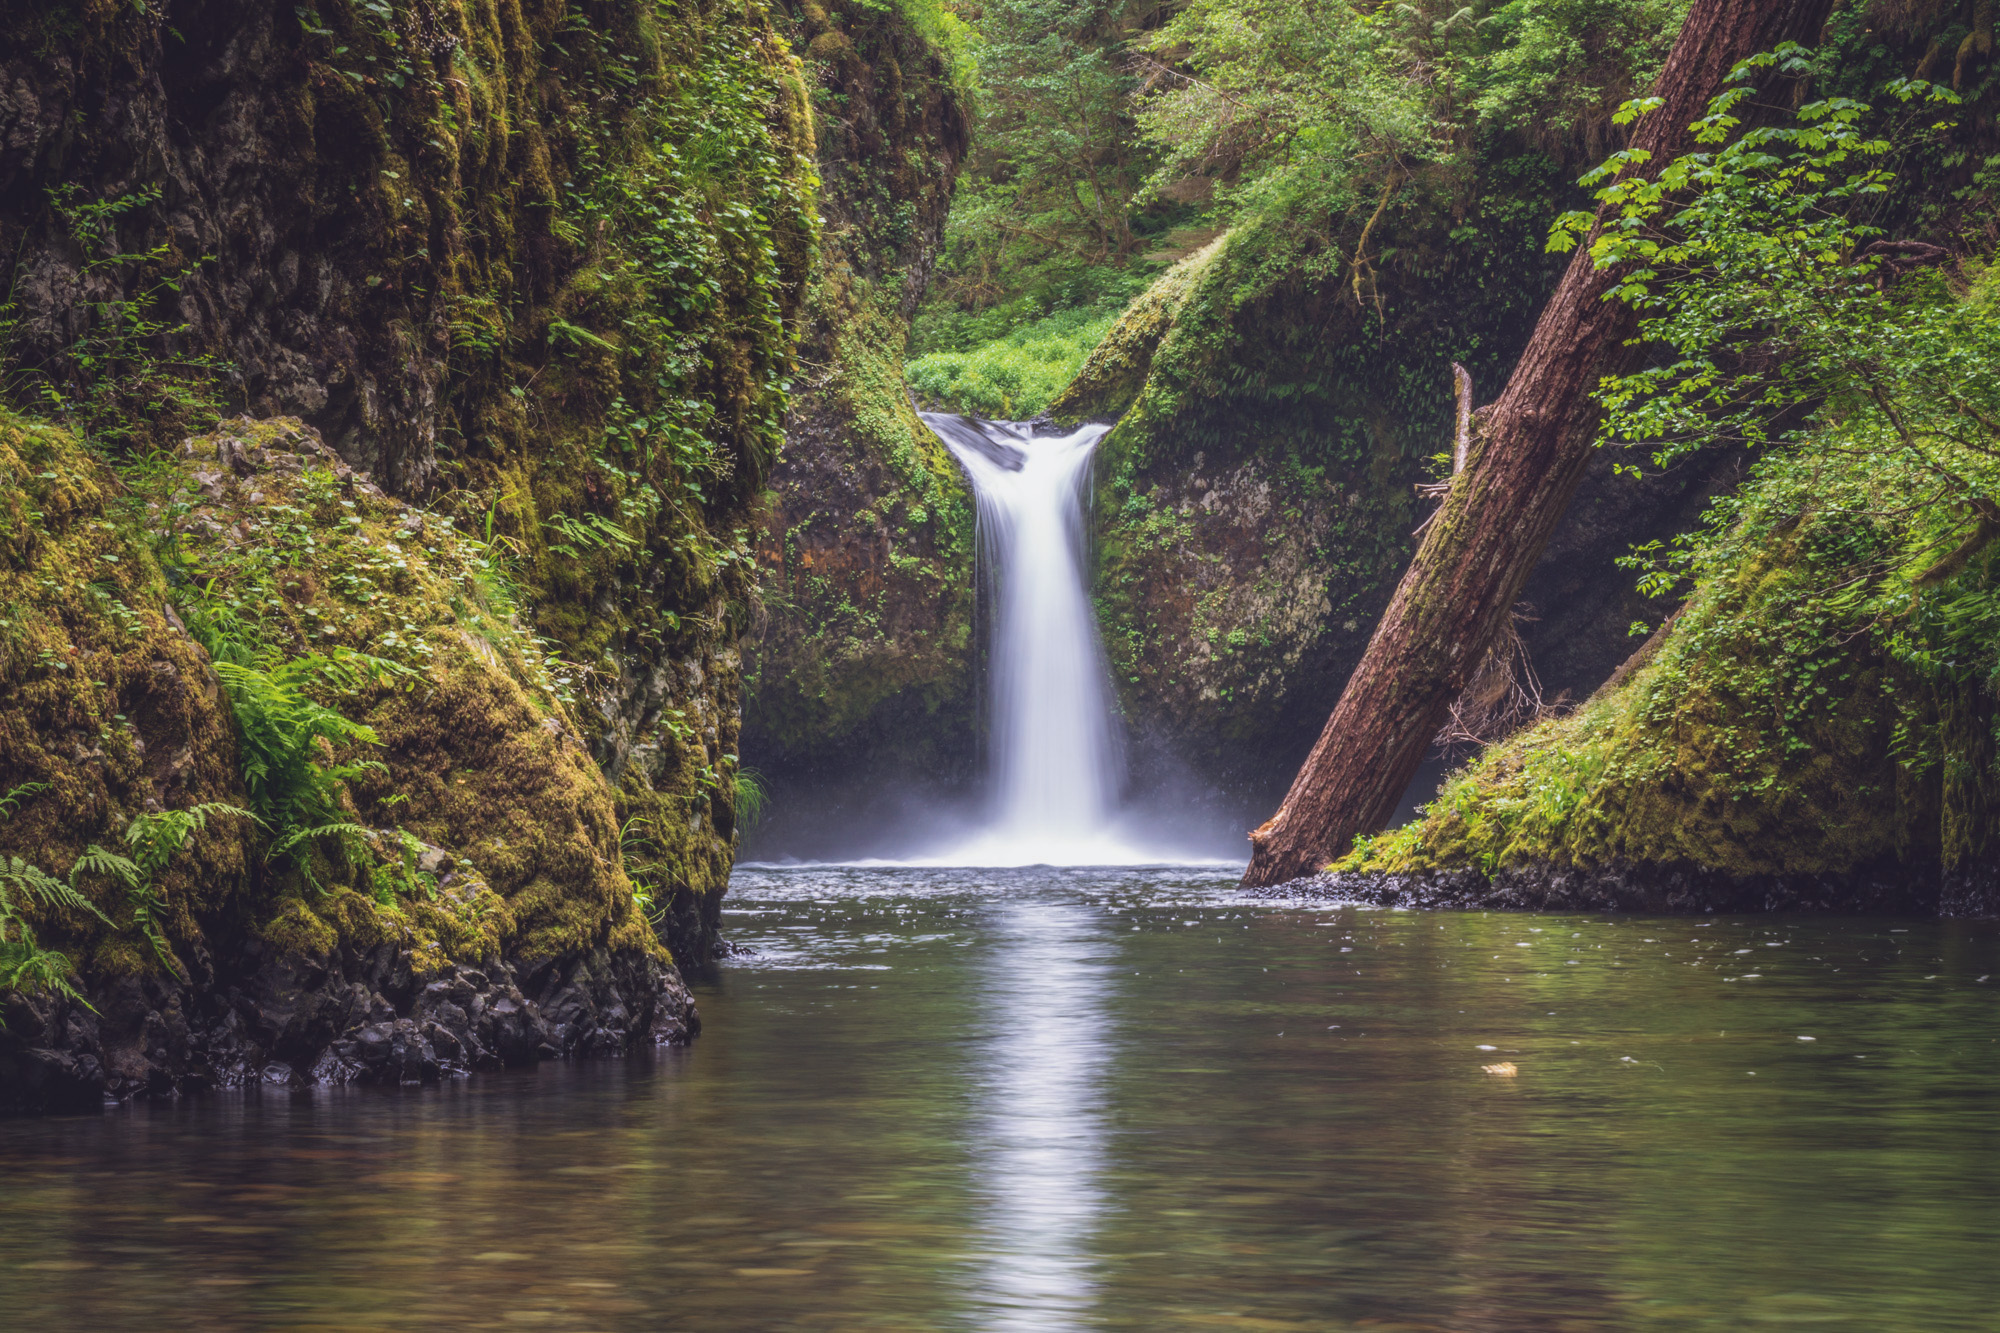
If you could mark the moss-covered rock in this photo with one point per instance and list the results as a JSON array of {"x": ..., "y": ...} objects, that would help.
[
  {"x": 482, "y": 839},
  {"x": 109, "y": 709},
  {"x": 540, "y": 267},
  {"x": 1766, "y": 748},
  {"x": 1254, "y": 501},
  {"x": 864, "y": 652}
]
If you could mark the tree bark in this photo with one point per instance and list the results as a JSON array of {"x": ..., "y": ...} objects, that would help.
[{"x": 1534, "y": 444}]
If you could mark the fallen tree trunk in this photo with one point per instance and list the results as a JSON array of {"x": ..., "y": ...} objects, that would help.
[{"x": 1532, "y": 447}]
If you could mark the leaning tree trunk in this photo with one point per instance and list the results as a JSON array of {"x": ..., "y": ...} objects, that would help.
[{"x": 1534, "y": 444}]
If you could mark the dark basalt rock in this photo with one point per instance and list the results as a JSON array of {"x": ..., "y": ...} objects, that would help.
[
  {"x": 353, "y": 1017},
  {"x": 1889, "y": 888}
]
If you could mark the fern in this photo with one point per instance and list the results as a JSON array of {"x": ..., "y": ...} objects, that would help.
[
  {"x": 31, "y": 881},
  {"x": 154, "y": 841},
  {"x": 345, "y": 830},
  {"x": 12, "y": 800},
  {"x": 24, "y": 964},
  {"x": 97, "y": 861},
  {"x": 284, "y": 734},
  {"x": 751, "y": 797},
  {"x": 26, "y": 967}
]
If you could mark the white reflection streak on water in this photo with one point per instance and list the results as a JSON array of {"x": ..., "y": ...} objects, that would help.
[{"x": 1044, "y": 1130}]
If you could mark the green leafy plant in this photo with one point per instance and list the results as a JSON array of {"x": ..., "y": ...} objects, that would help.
[
  {"x": 1015, "y": 375},
  {"x": 24, "y": 964},
  {"x": 752, "y": 796},
  {"x": 1835, "y": 663},
  {"x": 400, "y": 873},
  {"x": 591, "y": 532},
  {"x": 1860, "y": 367},
  {"x": 288, "y": 739},
  {"x": 640, "y": 855},
  {"x": 152, "y": 841},
  {"x": 119, "y": 376}
]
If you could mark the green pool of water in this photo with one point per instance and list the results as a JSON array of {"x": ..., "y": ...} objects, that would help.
[{"x": 957, "y": 1100}]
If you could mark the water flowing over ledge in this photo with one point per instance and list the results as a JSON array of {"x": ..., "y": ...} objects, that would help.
[{"x": 1056, "y": 763}]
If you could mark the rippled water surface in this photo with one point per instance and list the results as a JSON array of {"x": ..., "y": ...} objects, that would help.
[{"x": 1111, "y": 1100}]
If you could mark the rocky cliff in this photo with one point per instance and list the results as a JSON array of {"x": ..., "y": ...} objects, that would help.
[
  {"x": 407, "y": 372},
  {"x": 864, "y": 650}
]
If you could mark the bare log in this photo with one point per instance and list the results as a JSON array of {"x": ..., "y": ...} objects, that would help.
[{"x": 1535, "y": 442}]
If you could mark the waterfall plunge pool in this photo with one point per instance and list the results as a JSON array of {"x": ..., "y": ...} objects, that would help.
[{"x": 940, "y": 1099}]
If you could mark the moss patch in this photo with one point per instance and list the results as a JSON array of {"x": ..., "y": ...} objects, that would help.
[
  {"x": 1749, "y": 744},
  {"x": 106, "y": 709},
  {"x": 865, "y": 642}
]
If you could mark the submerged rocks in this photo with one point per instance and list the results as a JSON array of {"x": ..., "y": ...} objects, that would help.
[
  {"x": 1648, "y": 888},
  {"x": 355, "y": 1016}
]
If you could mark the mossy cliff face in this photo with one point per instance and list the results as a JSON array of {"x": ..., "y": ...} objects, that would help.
[
  {"x": 539, "y": 267},
  {"x": 1763, "y": 750},
  {"x": 476, "y": 911},
  {"x": 542, "y": 263},
  {"x": 863, "y": 652}
]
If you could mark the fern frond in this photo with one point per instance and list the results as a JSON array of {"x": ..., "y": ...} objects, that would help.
[
  {"x": 31, "y": 879},
  {"x": 45, "y": 888},
  {"x": 12, "y": 800},
  {"x": 359, "y": 768},
  {"x": 97, "y": 861},
  {"x": 298, "y": 835},
  {"x": 24, "y": 966},
  {"x": 159, "y": 837}
]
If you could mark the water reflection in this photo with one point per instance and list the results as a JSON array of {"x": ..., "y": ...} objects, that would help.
[
  {"x": 1118, "y": 1101},
  {"x": 1042, "y": 1122}
]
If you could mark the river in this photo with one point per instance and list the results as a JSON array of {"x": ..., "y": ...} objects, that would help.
[{"x": 1114, "y": 1099}]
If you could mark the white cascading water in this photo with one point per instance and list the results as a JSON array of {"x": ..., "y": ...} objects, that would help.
[{"x": 1056, "y": 762}]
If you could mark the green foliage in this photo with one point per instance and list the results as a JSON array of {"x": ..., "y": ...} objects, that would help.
[
  {"x": 751, "y": 796},
  {"x": 24, "y": 964},
  {"x": 591, "y": 532},
  {"x": 1055, "y": 168},
  {"x": 1758, "y": 245},
  {"x": 153, "y": 840},
  {"x": 1786, "y": 323},
  {"x": 650, "y": 872},
  {"x": 1014, "y": 376},
  {"x": 1827, "y": 697},
  {"x": 1299, "y": 113},
  {"x": 946, "y": 34},
  {"x": 288, "y": 738},
  {"x": 126, "y": 376},
  {"x": 398, "y": 872}
]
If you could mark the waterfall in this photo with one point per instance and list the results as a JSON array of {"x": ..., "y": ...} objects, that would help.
[{"x": 1055, "y": 759}]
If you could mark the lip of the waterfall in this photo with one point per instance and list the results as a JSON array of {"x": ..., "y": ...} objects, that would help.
[
  {"x": 967, "y": 433},
  {"x": 994, "y": 440}
]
